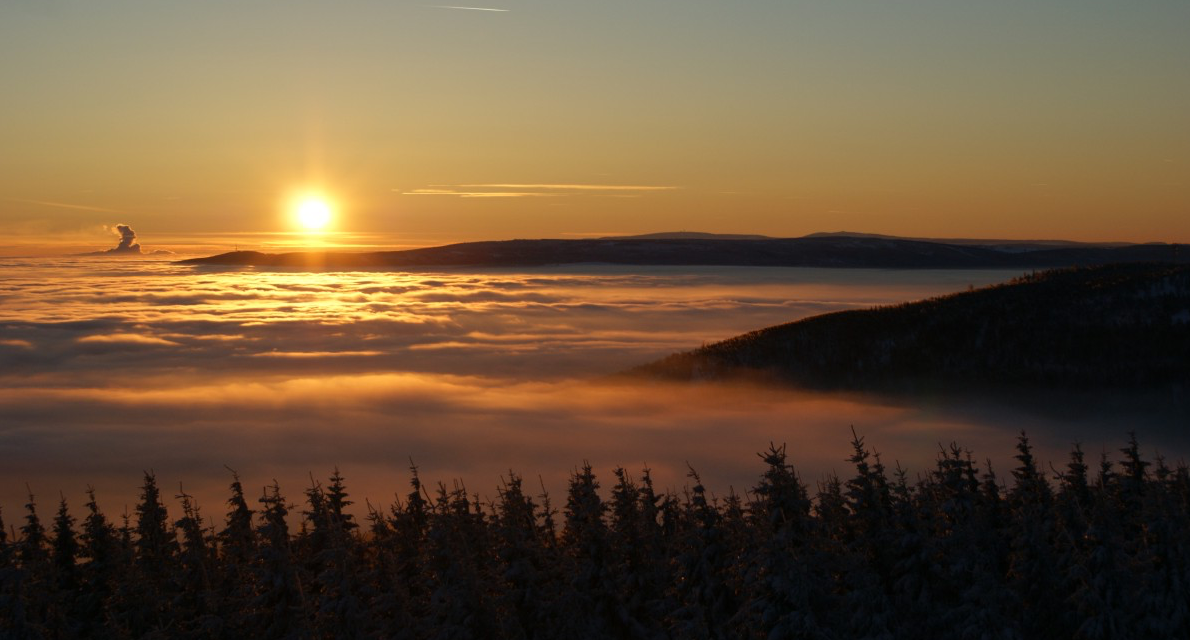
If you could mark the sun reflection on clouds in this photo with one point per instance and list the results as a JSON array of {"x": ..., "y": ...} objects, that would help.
[
  {"x": 316, "y": 354},
  {"x": 125, "y": 338},
  {"x": 260, "y": 312},
  {"x": 281, "y": 373}
]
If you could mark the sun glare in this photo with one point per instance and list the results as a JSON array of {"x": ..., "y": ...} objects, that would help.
[{"x": 313, "y": 214}]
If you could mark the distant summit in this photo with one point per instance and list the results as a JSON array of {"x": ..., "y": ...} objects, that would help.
[{"x": 689, "y": 235}]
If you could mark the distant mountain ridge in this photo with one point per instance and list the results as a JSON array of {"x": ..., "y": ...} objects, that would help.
[
  {"x": 845, "y": 251},
  {"x": 984, "y": 242},
  {"x": 981, "y": 242},
  {"x": 1123, "y": 327},
  {"x": 690, "y": 235}
]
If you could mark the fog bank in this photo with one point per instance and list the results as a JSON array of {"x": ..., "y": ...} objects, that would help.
[{"x": 111, "y": 369}]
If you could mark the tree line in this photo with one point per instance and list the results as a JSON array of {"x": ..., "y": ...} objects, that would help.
[{"x": 1086, "y": 550}]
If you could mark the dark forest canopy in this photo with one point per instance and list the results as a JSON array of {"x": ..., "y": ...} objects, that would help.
[
  {"x": 1123, "y": 328},
  {"x": 1093, "y": 549},
  {"x": 844, "y": 251}
]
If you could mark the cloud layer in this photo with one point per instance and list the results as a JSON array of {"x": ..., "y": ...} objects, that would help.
[{"x": 110, "y": 368}]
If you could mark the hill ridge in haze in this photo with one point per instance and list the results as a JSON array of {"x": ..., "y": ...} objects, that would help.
[
  {"x": 983, "y": 242},
  {"x": 690, "y": 235},
  {"x": 1121, "y": 327},
  {"x": 823, "y": 251}
]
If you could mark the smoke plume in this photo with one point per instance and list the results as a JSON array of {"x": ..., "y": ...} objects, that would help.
[{"x": 128, "y": 243}]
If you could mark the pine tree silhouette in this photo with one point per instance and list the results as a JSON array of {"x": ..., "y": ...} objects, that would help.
[{"x": 875, "y": 556}]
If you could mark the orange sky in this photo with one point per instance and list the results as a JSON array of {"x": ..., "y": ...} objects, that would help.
[{"x": 195, "y": 122}]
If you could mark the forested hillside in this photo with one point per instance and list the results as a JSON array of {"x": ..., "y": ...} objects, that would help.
[
  {"x": 957, "y": 552},
  {"x": 1118, "y": 327}
]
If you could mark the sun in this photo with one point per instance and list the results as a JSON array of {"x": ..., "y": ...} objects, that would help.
[{"x": 313, "y": 213}]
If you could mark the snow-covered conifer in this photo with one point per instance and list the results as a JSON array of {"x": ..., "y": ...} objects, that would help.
[{"x": 279, "y": 609}]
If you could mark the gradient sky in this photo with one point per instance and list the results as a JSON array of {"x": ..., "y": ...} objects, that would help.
[{"x": 431, "y": 124}]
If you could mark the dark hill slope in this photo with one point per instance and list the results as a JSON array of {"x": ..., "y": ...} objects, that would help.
[
  {"x": 1121, "y": 327},
  {"x": 774, "y": 252}
]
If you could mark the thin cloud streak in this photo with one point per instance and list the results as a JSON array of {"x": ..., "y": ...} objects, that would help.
[
  {"x": 570, "y": 187},
  {"x": 478, "y": 194},
  {"x": 65, "y": 205},
  {"x": 127, "y": 338},
  {"x": 537, "y": 190},
  {"x": 440, "y": 6},
  {"x": 316, "y": 354}
]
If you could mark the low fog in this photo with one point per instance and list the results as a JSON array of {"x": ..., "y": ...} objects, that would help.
[{"x": 112, "y": 369}]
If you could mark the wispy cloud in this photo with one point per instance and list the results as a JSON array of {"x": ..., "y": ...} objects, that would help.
[
  {"x": 443, "y": 6},
  {"x": 514, "y": 190},
  {"x": 21, "y": 344},
  {"x": 317, "y": 354},
  {"x": 127, "y": 338},
  {"x": 476, "y": 194},
  {"x": 572, "y": 187},
  {"x": 66, "y": 205}
]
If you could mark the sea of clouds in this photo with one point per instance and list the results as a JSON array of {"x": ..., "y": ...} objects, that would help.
[{"x": 109, "y": 367}]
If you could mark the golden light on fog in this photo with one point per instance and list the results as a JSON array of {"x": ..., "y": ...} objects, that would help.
[{"x": 312, "y": 213}]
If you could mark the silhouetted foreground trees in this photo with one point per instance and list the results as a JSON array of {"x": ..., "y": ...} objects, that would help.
[{"x": 1091, "y": 550}]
